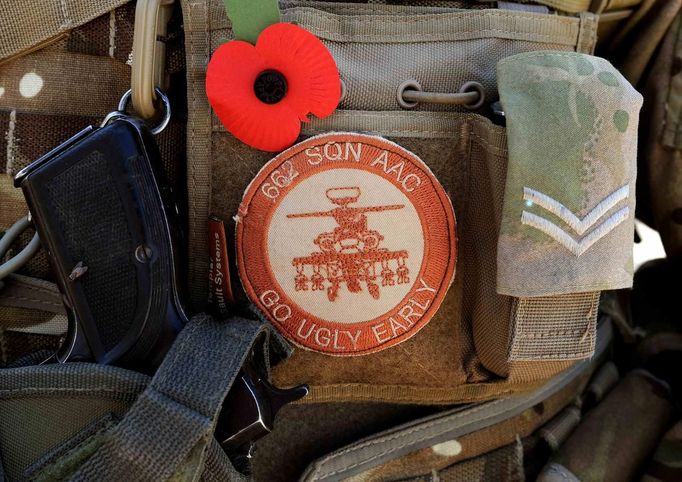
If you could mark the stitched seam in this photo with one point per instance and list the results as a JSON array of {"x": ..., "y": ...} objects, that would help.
[
  {"x": 347, "y": 10},
  {"x": 555, "y": 356},
  {"x": 414, "y": 360},
  {"x": 582, "y": 288},
  {"x": 466, "y": 16},
  {"x": 535, "y": 55},
  {"x": 418, "y": 428},
  {"x": 546, "y": 334},
  {"x": 469, "y": 131},
  {"x": 479, "y": 34},
  {"x": 112, "y": 33},
  {"x": 467, "y": 414},
  {"x": 42, "y": 390},
  {"x": 65, "y": 13},
  {"x": 487, "y": 143},
  {"x": 11, "y": 142}
]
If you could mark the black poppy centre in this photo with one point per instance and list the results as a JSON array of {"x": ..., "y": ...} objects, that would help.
[{"x": 270, "y": 86}]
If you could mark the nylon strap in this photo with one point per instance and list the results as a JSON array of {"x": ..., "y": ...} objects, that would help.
[
  {"x": 28, "y": 24},
  {"x": 176, "y": 414}
]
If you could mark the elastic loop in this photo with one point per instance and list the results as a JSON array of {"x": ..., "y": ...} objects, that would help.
[{"x": 344, "y": 92}]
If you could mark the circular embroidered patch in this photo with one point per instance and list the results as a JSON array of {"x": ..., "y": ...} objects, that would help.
[{"x": 347, "y": 243}]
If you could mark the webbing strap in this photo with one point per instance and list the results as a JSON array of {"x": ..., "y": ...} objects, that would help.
[
  {"x": 174, "y": 417},
  {"x": 30, "y": 23},
  {"x": 577, "y": 6}
]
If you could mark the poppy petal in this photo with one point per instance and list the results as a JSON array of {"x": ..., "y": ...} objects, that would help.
[
  {"x": 270, "y": 128},
  {"x": 230, "y": 92},
  {"x": 313, "y": 85},
  {"x": 232, "y": 72},
  {"x": 312, "y": 75}
]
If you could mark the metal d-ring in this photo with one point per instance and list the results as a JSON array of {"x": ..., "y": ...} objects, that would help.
[
  {"x": 21, "y": 258},
  {"x": 123, "y": 105}
]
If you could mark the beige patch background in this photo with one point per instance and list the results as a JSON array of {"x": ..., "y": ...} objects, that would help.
[{"x": 290, "y": 238}]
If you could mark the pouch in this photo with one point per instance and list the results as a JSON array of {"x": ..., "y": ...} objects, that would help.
[
  {"x": 567, "y": 225},
  {"x": 377, "y": 47},
  {"x": 568, "y": 217}
]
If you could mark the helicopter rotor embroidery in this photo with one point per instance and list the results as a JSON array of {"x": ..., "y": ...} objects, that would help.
[{"x": 351, "y": 253}]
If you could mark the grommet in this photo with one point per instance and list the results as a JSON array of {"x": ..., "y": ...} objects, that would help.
[
  {"x": 473, "y": 86},
  {"x": 408, "y": 85}
]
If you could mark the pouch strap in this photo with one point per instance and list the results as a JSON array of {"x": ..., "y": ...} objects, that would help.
[
  {"x": 172, "y": 421},
  {"x": 30, "y": 24}
]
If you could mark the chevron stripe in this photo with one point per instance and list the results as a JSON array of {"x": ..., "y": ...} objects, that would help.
[
  {"x": 580, "y": 226},
  {"x": 577, "y": 247}
]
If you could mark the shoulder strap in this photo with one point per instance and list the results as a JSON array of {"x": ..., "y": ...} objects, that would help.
[{"x": 170, "y": 426}]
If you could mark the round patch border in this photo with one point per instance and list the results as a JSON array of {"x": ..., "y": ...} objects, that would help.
[{"x": 269, "y": 305}]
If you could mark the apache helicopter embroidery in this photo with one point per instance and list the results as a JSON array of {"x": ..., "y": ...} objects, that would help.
[{"x": 350, "y": 253}]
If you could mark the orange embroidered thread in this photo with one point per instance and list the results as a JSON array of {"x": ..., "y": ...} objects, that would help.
[
  {"x": 350, "y": 253},
  {"x": 346, "y": 243}
]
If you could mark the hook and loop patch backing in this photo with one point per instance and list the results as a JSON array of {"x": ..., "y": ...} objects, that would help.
[{"x": 347, "y": 243}]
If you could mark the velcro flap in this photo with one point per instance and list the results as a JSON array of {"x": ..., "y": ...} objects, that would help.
[{"x": 569, "y": 207}]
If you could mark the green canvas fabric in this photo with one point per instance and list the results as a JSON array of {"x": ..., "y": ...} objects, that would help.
[
  {"x": 171, "y": 424},
  {"x": 570, "y": 192},
  {"x": 60, "y": 421}
]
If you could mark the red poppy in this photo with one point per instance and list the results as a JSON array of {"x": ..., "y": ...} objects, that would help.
[{"x": 262, "y": 93}]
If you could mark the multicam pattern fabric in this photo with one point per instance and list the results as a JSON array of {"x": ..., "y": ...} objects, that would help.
[{"x": 569, "y": 201}]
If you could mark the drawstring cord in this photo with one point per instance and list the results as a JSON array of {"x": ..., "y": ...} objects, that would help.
[{"x": 471, "y": 95}]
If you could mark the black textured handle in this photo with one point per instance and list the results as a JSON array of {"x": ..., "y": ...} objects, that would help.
[{"x": 104, "y": 221}]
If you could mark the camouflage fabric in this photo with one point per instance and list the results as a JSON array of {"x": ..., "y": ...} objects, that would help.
[
  {"x": 570, "y": 193},
  {"x": 502, "y": 465}
]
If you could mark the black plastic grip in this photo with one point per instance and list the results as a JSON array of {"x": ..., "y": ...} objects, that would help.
[{"x": 106, "y": 225}]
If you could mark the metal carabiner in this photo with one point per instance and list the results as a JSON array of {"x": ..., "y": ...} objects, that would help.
[
  {"x": 149, "y": 54},
  {"x": 21, "y": 258}
]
